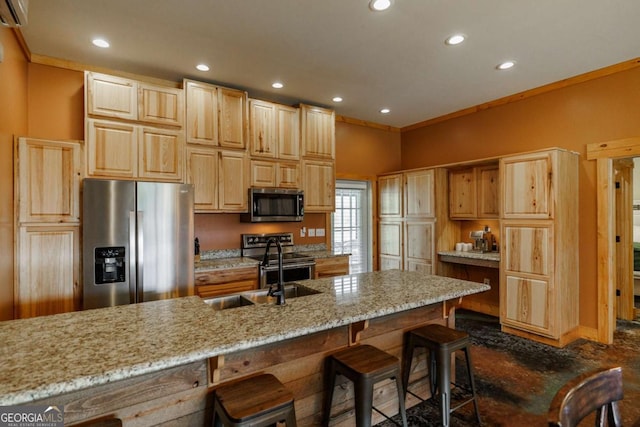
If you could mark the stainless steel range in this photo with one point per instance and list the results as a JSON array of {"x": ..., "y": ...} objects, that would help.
[{"x": 295, "y": 266}]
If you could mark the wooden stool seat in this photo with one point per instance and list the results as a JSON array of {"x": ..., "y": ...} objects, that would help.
[
  {"x": 441, "y": 342},
  {"x": 255, "y": 401},
  {"x": 364, "y": 365}
]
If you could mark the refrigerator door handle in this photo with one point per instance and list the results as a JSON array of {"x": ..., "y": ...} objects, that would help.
[
  {"x": 140, "y": 255},
  {"x": 132, "y": 257}
]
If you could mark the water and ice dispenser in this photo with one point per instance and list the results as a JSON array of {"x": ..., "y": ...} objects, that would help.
[{"x": 109, "y": 265}]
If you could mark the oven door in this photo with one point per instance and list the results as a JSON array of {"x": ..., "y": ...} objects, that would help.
[{"x": 291, "y": 272}]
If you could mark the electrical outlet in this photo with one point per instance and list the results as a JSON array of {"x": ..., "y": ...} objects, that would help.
[
  {"x": 487, "y": 281},
  {"x": 303, "y": 231},
  {"x": 312, "y": 232},
  {"x": 319, "y": 232}
]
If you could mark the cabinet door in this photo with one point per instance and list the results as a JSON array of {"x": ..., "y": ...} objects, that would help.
[
  {"x": 462, "y": 193},
  {"x": 390, "y": 192},
  {"x": 419, "y": 244},
  {"x": 419, "y": 190},
  {"x": 111, "y": 149},
  {"x": 527, "y": 304},
  {"x": 288, "y": 175},
  {"x": 390, "y": 244},
  {"x": 288, "y": 132},
  {"x": 160, "y": 154},
  {"x": 233, "y": 179},
  {"x": 111, "y": 96},
  {"x": 202, "y": 113},
  {"x": 162, "y": 105},
  {"x": 202, "y": 173},
  {"x": 527, "y": 184},
  {"x": 263, "y": 173},
  {"x": 527, "y": 248},
  {"x": 262, "y": 125},
  {"x": 318, "y": 132},
  {"x": 49, "y": 174},
  {"x": 319, "y": 186},
  {"x": 232, "y": 117},
  {"x": 47, "y": 280},
  {"x": 488, "y": 191}
]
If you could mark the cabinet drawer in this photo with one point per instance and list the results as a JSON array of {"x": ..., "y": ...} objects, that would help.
[
  {"x": 226, "y": 275},
  {"x": 329, "y": 267},
  {"x": 212, "y": 290}
]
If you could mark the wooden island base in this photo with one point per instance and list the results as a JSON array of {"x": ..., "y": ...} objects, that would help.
[{"x": 182, "y": 396}]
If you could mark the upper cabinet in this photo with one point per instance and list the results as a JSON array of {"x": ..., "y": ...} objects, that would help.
[
  {"x": 232, "y": 118},
  {"x": 160, "y": 105},
  {"x": 274, "y": 130},
  {"x": 319, "y": 185},
  {"x": 390, "y": 191},
  {"x": 202, "y": 113},
  {"x": 419, "y": 194},
  {"x": 473, "y": 192},
  {"x": 317, "y": 127},
  {"x": 527, "y": 184}
]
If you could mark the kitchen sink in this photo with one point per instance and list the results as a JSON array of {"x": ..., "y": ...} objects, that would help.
[{"x": 257, "y": 297}]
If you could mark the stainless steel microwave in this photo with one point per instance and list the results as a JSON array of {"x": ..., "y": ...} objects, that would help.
[{"x": 274, "y": 205}]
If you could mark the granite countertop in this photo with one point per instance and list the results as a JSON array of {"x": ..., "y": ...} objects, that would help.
[
  {"x": 45, "y": 356},
  {"x": 489, "y": 256}
]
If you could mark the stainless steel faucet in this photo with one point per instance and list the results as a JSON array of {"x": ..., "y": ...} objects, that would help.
[{"x": 279, "y": 292}]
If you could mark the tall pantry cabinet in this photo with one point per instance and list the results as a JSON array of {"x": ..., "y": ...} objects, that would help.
[
  {"x": 539, "y": 230},
  {"x": 47, "y": 248}
]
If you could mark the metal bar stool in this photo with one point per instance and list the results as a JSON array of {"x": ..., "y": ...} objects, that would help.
[
  {"x": 441, "y": 342},
  {"x": 364, "y": 365},
  {"x": 256, "y": 401}
]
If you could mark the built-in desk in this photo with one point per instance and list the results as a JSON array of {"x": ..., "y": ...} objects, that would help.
[{"x": 481, "y": 259}]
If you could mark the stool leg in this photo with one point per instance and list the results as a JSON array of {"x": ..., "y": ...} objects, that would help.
[
  {"x": 433, "y": 378},
  {"x": 330, "y": 383},
  {"x": 407, "y": 356},
  {"x": 444, "y": 381},
  {"x": 364, "y": 402},
  {"x": 291, "y": 418},
  {"x": 401, "y": 394},
  {"x": 472, "y": 382},
  {"x": 217, "y": 421}
]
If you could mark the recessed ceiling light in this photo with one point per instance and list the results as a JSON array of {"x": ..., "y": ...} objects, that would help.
[
  {"x": 100, "y": 43},
  {"x": 455, "y": 39},
  {"x": 385, "y": 111},
  {"x": 506, "y": 65},
  {"x": 202, "y": 67},
  {"x": 337, "y": 99},
  {"x": 379, "y": 5},
  {"x": 277, "y": 85}
]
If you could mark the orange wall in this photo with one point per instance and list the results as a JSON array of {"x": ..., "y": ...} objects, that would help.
[
  {"x": 366, "y": 151},
  {"x": 599, "y": 110},
  {"x": 13, "y": 121}
]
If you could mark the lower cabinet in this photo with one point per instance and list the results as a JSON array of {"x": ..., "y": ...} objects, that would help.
[
  {"x": 390, "y": 245},
  {"x": 48, "y": 260},
  {"x": 419, "y": 242},
  {"x": 225, "y": 281},
  {"x": 333, "y": 266}
]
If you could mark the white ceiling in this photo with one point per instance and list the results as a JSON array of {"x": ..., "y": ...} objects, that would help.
[{"x": 323, "y": 48}]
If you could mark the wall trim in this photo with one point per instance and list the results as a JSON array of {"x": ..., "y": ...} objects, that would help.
[{"x": 365, "y": 123}]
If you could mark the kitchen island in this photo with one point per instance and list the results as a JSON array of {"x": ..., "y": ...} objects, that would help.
[{"x": 156, "y": 362}]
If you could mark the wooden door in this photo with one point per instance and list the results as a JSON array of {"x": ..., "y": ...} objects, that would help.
[
  {"x": 419, "y": 190},
  {"x": 263, "y": 173},
  {"x": 462, "y": 194},
  {"x": 390, "y": 195},
  {"x": 48, "y": 278},
  {"x": 233, "y": 180},
  {"x": 419, "y": 245},
  {"x": 49, "y": 174},
  {"x": 488, "y": 189},
  {"x": 262, "y": 126},
  {"x": 111, "y": 96},
  {"x": 318, "y": 132},
  {"x": 202, "y": 113},
  {"x": 527, "y": 186},
  {"x": 202, "y": 173},
  {"x": 160, "y": 105},
  {"x": 623, "y": 175},
  {"x": 232, "y": 117},
  {"x": 111, "y": 149},
  {"x": 160, "y": 154},
  {"x": 319, "y": 186},
  {"x": 288, "y": 139}
]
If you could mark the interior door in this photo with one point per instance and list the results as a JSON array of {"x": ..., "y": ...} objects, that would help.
[{"x": 623, "y": 174}]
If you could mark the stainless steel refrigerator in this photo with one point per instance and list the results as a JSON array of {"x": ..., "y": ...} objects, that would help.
[{"x": 137, "y": 241}]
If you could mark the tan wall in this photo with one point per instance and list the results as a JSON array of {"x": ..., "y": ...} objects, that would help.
[
  {"x": 598, "y": 110},
  {"x": 13, "y": 121},
  {"x": 366, "y": 151}
]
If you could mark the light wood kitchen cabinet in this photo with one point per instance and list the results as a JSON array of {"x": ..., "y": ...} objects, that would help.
[
  {"x": 390, "y": 192},
  {"x": 288, "y": 132},
  {"x": 160, "y": 105},
  {"x": 48, "y": 270},
  {"x": 266, "y": 173},
  {"x": 390, "y": 243},
  {"x": 232, "y": 118},
  {"x": 220, "y": 179},
  {"x": 538, "y": 278},
  {"x": 122, "y": 150},
  {"x": 202, "y": 113},
  {"x": 111, "y": 96},
  {"x": 225, "y": 281},
  {"x": 474, "y": 192},
  {"x": 49, "y": 175},
  {"x": 419, "y": 194},
  {"x": 419, "y": 245},
  {"x": 332, "y": 266},
  {"x": 319, "y": 184},
  {"x": 262, "y": 129},
  {"x": 317, "y": 127}
]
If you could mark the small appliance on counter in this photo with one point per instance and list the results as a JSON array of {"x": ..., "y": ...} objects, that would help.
[
  {"x": 482, "y": 240},
  {"x": 295, "y": 266}
]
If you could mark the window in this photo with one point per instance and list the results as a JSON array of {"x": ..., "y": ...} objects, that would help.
[{"x": 351, "y": 232}]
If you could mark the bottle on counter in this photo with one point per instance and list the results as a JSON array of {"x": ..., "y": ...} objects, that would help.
[{"x": 196, "y": 244}]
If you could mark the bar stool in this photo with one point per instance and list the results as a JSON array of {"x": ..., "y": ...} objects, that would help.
[
  {"x": 441, "y": 342},
  {"x": 364, "y": 365},
  {"x": 257, "y": 401}
]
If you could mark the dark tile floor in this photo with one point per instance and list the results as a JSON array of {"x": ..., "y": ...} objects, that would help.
[{"x": 517, "y": 378}]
